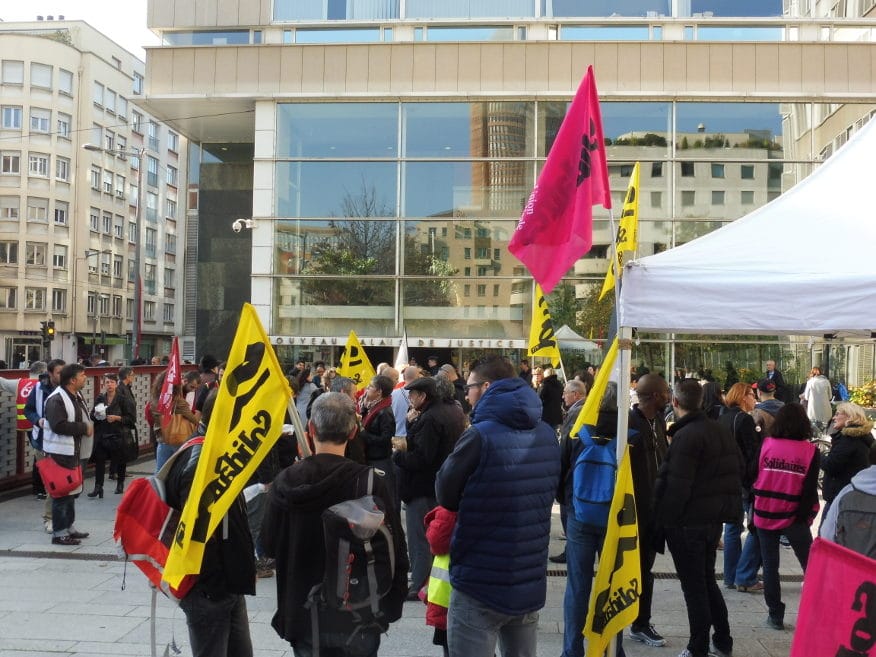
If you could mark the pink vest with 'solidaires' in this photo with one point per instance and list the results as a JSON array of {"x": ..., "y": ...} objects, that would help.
[{"x": 782, "y": 469}]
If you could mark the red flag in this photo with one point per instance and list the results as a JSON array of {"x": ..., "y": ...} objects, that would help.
[
  {"x": 556, "y": 227},
  {"x": 172, "y": 378},
  {"x": 840, "y": 586}
]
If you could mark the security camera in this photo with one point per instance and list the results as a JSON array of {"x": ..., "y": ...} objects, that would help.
[{"x": 239, "y": 224}]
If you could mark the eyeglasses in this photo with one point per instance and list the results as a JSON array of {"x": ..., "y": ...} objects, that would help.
[{"x": 469, "y": 386}]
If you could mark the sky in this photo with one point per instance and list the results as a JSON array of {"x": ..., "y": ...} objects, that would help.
[{"x": 123, "y": 21}]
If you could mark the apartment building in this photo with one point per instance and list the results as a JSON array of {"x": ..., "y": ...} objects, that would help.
[
  {"x": 76, "y": 151},
  {"x": 384, "y": 150}
]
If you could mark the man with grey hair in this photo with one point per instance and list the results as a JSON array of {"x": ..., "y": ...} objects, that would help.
[
  {"x": 345, "y": 386},
  {"x": 355, "y": 447},
  {"x": 292, "y": 533}
]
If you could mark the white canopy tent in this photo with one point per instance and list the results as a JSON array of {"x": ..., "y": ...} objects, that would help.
[
  {"x": 568, "y": 339},
  {"x": 803, "y": 264}
]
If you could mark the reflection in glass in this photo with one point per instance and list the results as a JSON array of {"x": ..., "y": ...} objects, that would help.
[
  {"x": 334, "y": 35},
  {"x": 336, "y": 189},
  {"x": 206, "y": 38},
  {"x": 467, "y": 129},
  {"x": 685, "y": 231},
  {"x": 482, "y": 33},
  {"x": 740, "y": 34},
  {"x": 604, "y": 33},
  {"x": 462, "y": 189},
  {"x": 337, "y": 129},
  {"x": 451, "y": 247},
  {"x": 352, "y": 247},
  {"x": 572, "y": 8},
  {"x": 469, "y": 8},
  {"x": 741, "y": 125},
  {"x": 286, "y": 10},
  {"x": 736, "y": 7}
]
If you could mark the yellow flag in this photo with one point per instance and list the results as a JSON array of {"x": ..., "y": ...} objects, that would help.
[
  {"x": 591, "y": 404},
  {"x": 614, "y": 600},
  {"x": 627, "y": 231},
  {"x": 247, "y": 420},
  {"x": 542, "y": 340},
  {"x": 355, "y": 364}
]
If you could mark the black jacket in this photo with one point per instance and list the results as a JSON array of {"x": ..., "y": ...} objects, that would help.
[
  {"x": 741, "y": 426},
  {"x": 648, "y": 448},
  {"x": 377, "y": 438},
  {"x": 551, "y": 395},
  {"x": 292, "y": 533},
  {"x": 699, "y": 481},
  {"x": 229, "y": 563},
  {"x": 431, "y": 437},
  {"x": 849, "y": 454}
]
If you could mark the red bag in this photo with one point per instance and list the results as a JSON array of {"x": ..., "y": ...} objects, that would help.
[
  {"x": 146, "y": 524},
  {"x": 58, "y": 480}
]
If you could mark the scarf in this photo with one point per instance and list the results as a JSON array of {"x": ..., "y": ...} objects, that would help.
[{"x": 379, "y": 406}]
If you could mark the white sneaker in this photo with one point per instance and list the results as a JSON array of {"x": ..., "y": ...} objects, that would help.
[{"x": 48, "y": 524}]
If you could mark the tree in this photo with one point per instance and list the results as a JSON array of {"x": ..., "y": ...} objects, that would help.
[
  {"x": 731, "y": 376},
  {"x": 595, "y": 315},
  {"x": 563, "y": 306}
]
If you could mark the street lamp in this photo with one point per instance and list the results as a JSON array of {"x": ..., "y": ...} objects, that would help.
[{"x": 138, "y": 248}]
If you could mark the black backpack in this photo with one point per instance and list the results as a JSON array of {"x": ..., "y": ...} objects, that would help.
[
  {"x": 856, "y": 522},
  {"x": 359, "y": 563}
]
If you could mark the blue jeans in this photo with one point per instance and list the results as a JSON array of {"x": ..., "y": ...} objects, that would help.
[
  {"x": 418, "y": 546},
  {"x": 694, "y": 551},
  {"x": 473, "y": 628},
  {"x": 63, "y": 514},
  {"x": 218, "y": 624},
  {"x": 801, "y": 540},
  {"x": 741, "y": 562},
  {"x": 163, "y": 451},
  {"x": 583, "y": 543}
]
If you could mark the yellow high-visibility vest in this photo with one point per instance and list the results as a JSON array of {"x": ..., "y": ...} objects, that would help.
[{"x": 439, "y": 581}]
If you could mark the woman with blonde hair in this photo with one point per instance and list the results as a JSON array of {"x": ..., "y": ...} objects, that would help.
[{"x": 850, "y": 443}]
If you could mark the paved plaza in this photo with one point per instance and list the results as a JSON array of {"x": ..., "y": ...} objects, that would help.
[{"x": 83, "y": 601}]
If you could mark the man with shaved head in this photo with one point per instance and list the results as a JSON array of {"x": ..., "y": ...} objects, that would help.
[{"x": 648, "y": 447}]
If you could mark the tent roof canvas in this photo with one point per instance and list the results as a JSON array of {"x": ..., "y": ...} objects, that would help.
[
  {"x": 568, "y": 339},
  {"x": 803, "y": 264}
]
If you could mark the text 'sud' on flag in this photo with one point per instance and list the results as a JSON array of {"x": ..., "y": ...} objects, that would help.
[
  {"x": 556, "y": 227},
  {"x": 355, "y": 363},
  {"x": 542, "y": 339},
  {"x": 247, "y": 420},
  {"x": 837, "y": 616},
  {"x": 614, "y": 600},
  {"x": 627, "y": 238}
]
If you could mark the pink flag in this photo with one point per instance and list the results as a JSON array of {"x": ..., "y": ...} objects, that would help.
[
  {"x": 171, "y": 379},
  {"x": 838, "y": 606},
  {"x": 556, "y": 227}
]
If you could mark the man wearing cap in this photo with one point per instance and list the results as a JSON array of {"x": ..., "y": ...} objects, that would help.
[
  {"x": 432, "y": 432},
  {"x": 501, "y": 480}
]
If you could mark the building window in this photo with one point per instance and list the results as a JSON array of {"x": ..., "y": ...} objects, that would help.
[
  {"x": 38, "y": 164},
  {"x": 106, "y": 224},
  {"x": 149, "y": 244},
  {"x": 40, "y": 75},
  {"x": 132, "y": 233},
  {"x": 122, "y": 107},
  {"x": 657, "y": 169},
  {"x": 62, "y": 209},
  {"x": 483, "y": 271},
  {"x": 152, "y": 207},
  {"x": 656, "y": 199},
  {"x": 129, "y": 308},
  {"x": 106, "y": 265},
  {"x": 151, "y": 170},
  {"x": 687, "y": 198},
  {"x": 63, "y": 125},
  {"x": 59, "y": 301},
  {"x": 482, "y": 290},
  {"x": 137, "y": 122},
  {"x": 717, "y": 170},
  {"x": 104, "y": 304},
  {"x": 35, "y": 254},
  {"x": 91, "y": 304},
  {"x": 59, "y": 256},
  {"x": 96, "y": 134},
  {"x": 94, "y": 219},
  {"x": 153, "y": 135},
  {"x": 119, "y": 227},
  {"x": 687, "y": 169},
  {"x": 170, "y": 209},
  {"x": 109, "y": 140},
  {"x": 11, "y": 117},
  {"x": 40, "y": 120},
  {"x": 10, "y": 163},
  {"x": 9, "y": 208},
  {"x": 149, "y": 311},
  {"x": 117, "y": 305},
  {"x": 466, "y": 290},
  {"x": 65, "y": 82},
  {"x": 170, "y": 244},
  {"x": 8, "y": 253},
  {"x": 169, "y": 277},
  {"x": 34, "y": 298},
  {"x": 746, "y": 197},
  {"x": 38, "y": 209},
  {"x": 172, "y": 141},
  {"x": 168, "y": 313},
  {"x": 747, "y": 172},
  {"x": 118, "y": 264},
  {"x": 120, "y": 186},
  {"x": 172, "y": 175},
  {"x": 107, "y": 182},
  {"x": 12, "y": 72},
  {"x": 97, "y": 94},
  {"x": 95, "y": 178},
  {"x": 717, "y": 197},
  {"x": 138, "y": 83},
  {"x": 109, "y": 101},
  {"x": 7, "y": 298},
  {"x": 467, "y": 252},
  {"x": 121, "y": 146}
]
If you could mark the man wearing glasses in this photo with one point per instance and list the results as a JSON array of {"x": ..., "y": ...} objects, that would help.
[{"x": 501, "y": 480}]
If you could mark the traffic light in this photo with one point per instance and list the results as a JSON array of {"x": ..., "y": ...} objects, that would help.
[
  {"x": 50, "y": 331},
  {"x": 44, "y": 331}
]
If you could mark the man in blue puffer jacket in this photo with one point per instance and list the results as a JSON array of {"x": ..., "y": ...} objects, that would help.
[{"x": 501, "y": 479}]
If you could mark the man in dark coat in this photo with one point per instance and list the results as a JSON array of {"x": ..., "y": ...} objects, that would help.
[
  {"x": 774, "y": 375},
  {"x": 292, "y": 533},
  {"x": 697, "y": 490}
]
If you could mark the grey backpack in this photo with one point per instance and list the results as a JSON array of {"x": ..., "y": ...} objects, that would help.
[{"x": 856, "y": 522}]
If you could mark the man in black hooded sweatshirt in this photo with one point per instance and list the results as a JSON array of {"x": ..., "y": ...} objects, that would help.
[{"x": 292, "y": 533}]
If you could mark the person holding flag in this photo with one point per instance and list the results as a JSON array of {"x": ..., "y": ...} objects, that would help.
[
  {"x": 171, "y": 417},
  {"x": 697, "y": 490}
]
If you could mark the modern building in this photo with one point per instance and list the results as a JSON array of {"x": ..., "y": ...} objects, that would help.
[
  {"x": 71, "y": 238},
  {"x": 384, "y": 150}
]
